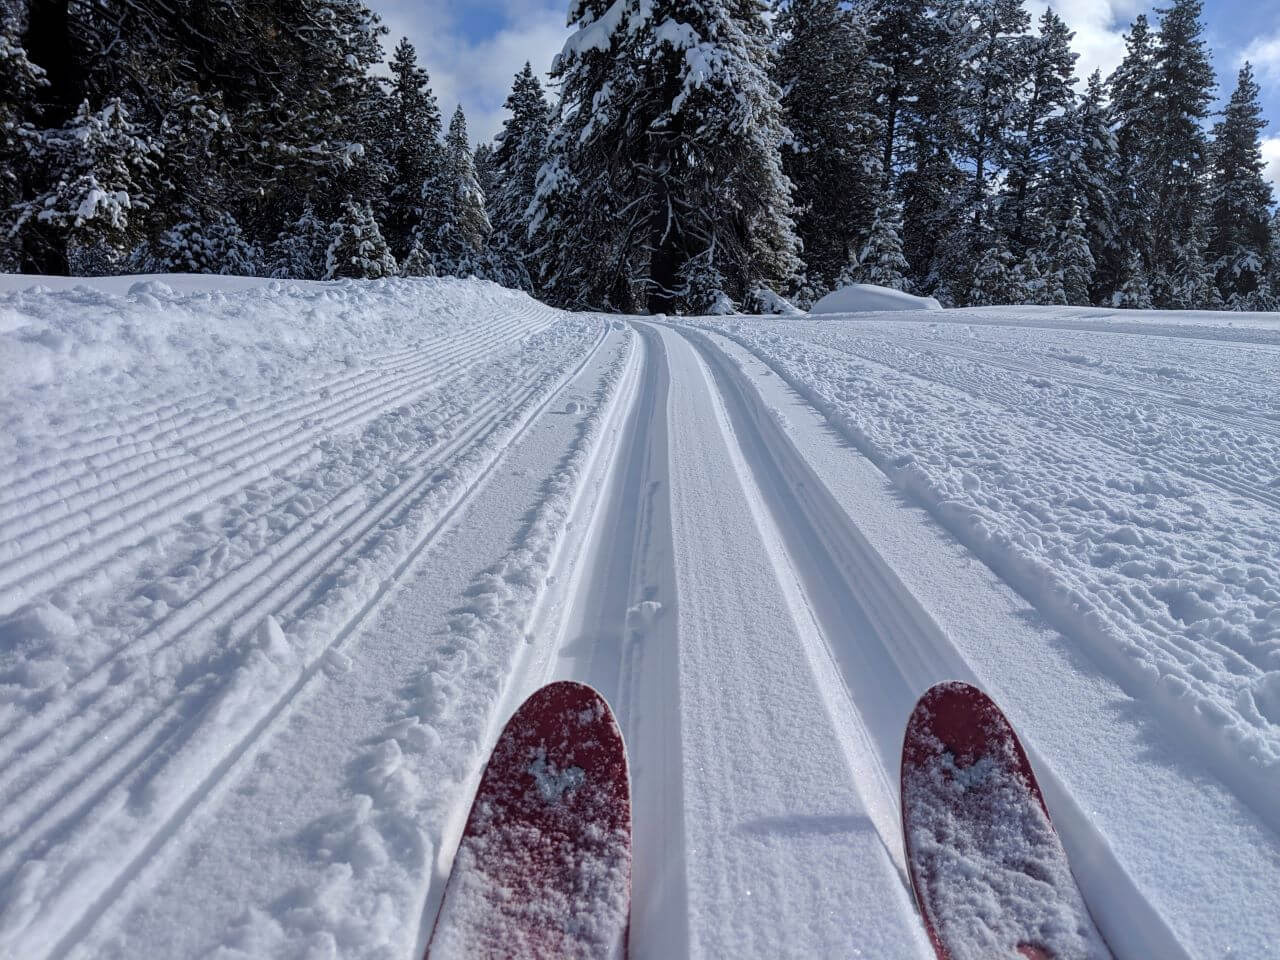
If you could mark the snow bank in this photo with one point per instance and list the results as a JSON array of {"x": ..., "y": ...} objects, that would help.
[
  {"x": 80, "y": 347},
  {"x": 867, "y": 297}
]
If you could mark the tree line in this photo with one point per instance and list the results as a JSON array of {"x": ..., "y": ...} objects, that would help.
[{"x": 699, "y": 155}]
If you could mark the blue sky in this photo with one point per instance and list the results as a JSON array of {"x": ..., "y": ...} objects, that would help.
[{"x": 473, "y": 48}]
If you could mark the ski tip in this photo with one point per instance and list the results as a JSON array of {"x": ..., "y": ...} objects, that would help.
[{"x": 965, "y": 722}]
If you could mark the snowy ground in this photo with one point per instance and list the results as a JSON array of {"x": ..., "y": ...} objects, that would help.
[{"x": 276, "y": 562}]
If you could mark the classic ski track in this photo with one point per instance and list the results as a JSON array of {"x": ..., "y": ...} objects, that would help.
[
  {"x": 268, "y": 582},
  {"x": 910, "y": 648},
  {"x": 260, "y": 731},
  {"x": 53, "y": 550},
  {"x": 626, "y": 559},
  {"x": 92, "y": 457},
  {"x": 977, "y": 392}
]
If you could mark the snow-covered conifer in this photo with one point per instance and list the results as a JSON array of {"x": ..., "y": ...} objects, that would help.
[
  {"x": 456, "y": 232},
  {"x": 299, "y": 251},
  {"x": 828, "y": 78},
  {"x": 995, "y": 278},
  {"x": 1045, "y": 109},
  {"x": 1073, "y": 262},
  {"x": 881, "y": 261},
  {"x": 519, "y": 153},
  {"x": 666, "y": 157},
  {"x": 1132, "y": 113},
  {"x": 19, "y": 81},
  {"x": 1133, "y": 292},
  {"x": 1178, "y": 153},
  {"x": 216, "y": 246},
  {"x": 412, "y": 146},
  {"x": 1240, "y": 223},
  {"x": 103, "y": 165},
  {"x": 417, "y": 263},
  {"x": 357, "y": 248}
]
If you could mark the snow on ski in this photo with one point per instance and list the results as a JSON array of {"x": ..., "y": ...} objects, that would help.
[
  {"x": 543, "y": 869},
  {"x": 988, "y": 870},
  {"x": 273, "y": 581}
]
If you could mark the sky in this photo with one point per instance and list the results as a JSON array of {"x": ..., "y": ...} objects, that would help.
[{"x": 473, "y": 48}]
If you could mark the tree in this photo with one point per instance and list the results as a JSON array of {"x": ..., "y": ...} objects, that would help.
[
  {"x": 519, "y": 153},
  {"x": 1239, "y": 246},
  {"x": 357, "y": 248},
  {"x": 103, "y": 164},
  {"x": 20, "y": 79},
  {"x": 412, "y": 145},
  {"x": 1133, "y": 292},
  {"x": 217, "y": 247},
  {"x": 828, "y": 79},
  {"x": 456, "y": 233},
  {"x": 300, "y": 251},
  {"x": 995, "y": 281},
  {"x": 1047, "y": 115},
  {"x": 881, "y": 261},
  {"x": 665, "y": 162},
  {"x": 1073, "y": 261},
  {"x": 1183, "y": 84},
  {"x": 1131, "y": 87}
]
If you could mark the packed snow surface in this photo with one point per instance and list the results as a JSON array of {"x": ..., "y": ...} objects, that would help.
[
  {"x": 867, "y": 297},
  {"x": 278, "y": 561}
]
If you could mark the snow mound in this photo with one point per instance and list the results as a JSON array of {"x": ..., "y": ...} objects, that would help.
[{"x": 865, "y": 297}]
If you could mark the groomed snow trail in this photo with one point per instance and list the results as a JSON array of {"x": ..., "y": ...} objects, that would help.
[{"x": 277, "y": 561}]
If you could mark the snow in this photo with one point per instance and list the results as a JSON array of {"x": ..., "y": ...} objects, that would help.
[
  {"x": 278, "y": 561},
  {"x": 864, "y": 297}
]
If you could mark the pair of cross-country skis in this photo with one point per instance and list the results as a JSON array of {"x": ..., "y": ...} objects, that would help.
[{"x": 543, "y": 869}]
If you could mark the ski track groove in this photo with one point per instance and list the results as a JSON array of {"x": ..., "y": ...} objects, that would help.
[
  {"x": 86, "y": 457},
  {"x": 851, "y": 591},
  {"x": 1078, "y": 426},
  {"x": 292, "y": 562},
  {"x": 102, "y": 785},
  {"x": 93, "y": 532}
]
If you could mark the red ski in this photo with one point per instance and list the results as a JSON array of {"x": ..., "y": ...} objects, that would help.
[
  {"x": 989, "y": 872},
  {"x": 543, "y": 869}
]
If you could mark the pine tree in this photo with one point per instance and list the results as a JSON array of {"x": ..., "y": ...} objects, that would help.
[
  {"x": 218, "y": 247},
  {"x": 1178, "y": 155},
  {"x": 1073, "y": 262},
  {"x": 920, "y": 47},
  {"x": 1240, "y": 228},
  {"x": 828, "y": 79},
  {"x": 665, "y": 161},
  {"x": 881, "y": 261},
  {"x": 1047, "y": 117},
  {"x": 1133, "y": 292},
  {"x": 457, "y": 236},
  {"x": 417, "y": 263},
  {"x": 995, "y": 281},
  {"x": 519, "y": 153},
  {"x": 1133, "y": 119},
  {"x": 586, "y": 226},
  {"x": 357, "y": 248},
  {"x": 993, "y": 71},
  {"x": 412, "y": 145},
  {"x": 299, "y": 251},
  {"x": 19, "y": 81},
  {"x": 104, "y": 166}
]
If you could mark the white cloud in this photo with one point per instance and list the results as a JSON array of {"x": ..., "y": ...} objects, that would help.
[
  {"x": 1271, "y": 155},
  {"x": 1264, "y": 54},
  {"x": 478, "y": 73},
  {"x": 1099, "y": 25}
]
